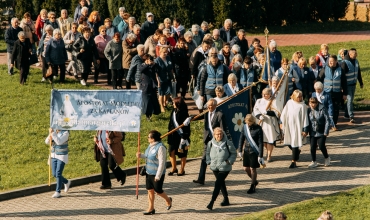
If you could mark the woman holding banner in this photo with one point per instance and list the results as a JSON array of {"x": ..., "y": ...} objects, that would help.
[
  {"x": 109, "y": 152},
  {"x": 155, "y": 156},
  {"x": 179, "y": 141},
  {"x": 252, "y": 139}
]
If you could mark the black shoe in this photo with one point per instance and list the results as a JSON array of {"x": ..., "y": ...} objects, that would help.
[
  {"x": 252, "y": 189},
  {"x": 123, "y": 180},
  {"x": 76, "y": 77},
  {"x": 210, "y": 205},
  {"x": 172, "y": 172},
  {"x": 96, "y": 81},
  {"x": 149, "y": 213},
  {"x": 198, "y": 181},
  {"x": 181, "y": 174},
  {"x": 109, "y": 83},
  {"x": 169, "y": 207},
  {"x": 225, "y": 202},
  {"x": 105, "y": 187},
  {"x": 256, "y": 183},
  {"x": 293, "y": 165}
]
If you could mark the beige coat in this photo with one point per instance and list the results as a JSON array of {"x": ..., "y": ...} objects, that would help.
[
  {"x": 65, "y": 25},
  {"x": 28, "y": 29},
  {"x": 149, "y": 46},
  {"x": 116, "y": 145},
  {"x": 128, "y": 53}
]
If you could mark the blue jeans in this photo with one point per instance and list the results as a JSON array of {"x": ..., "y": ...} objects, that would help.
[
  {"x": 57, "y": 167},
  {"x": 350, "y": 96}
]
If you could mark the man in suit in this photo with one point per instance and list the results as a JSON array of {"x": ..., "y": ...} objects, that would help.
[
  {"x": 212, "y": 120},
  {"x": 226, "y": 32}
]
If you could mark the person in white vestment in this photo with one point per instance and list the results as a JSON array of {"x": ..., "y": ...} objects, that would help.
[
  {"x": 268, "y": 120},
  {"x": 279, "y": 95},
  {"x": 294, "y": 123}
]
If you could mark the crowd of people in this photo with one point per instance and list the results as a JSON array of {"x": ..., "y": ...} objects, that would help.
[{"x": 291, "y": 101}]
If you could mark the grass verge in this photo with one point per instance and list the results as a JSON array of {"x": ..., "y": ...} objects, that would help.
[{"x": 351, "y": 204}]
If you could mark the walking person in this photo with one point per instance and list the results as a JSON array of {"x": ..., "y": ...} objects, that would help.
[
  {"x": 220, "y": 155},
  {"x": 129, "y": 46},
  {"x": 20, "y": 56},
  {"x": 101, "y": 42},
  {"x": 251, "y": 138},
  {"x": 110, "y": 152},
  {"x": 11, "y": 36},
  {"x": 181, "y": 59},
  {"x": 113, "y": 53},
  {"x": 58, "y": 158},
  {"x": 155, "y": 157},
  {"x": 318, "y": 129},
  {"x": 70, "y": 37},
  {"x": 179, "y": 141},
  {"x": 56, "y": 55}
]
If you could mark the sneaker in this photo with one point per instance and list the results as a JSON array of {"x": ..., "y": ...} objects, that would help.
[
  {"x": 66, "y": 186},
  {"x": 327, "y": 162},
  {"x": 313, "y": 164},
  {"x": 352, "y": 120},
  {"x": 43, "y": 79},
  {"x": 83, "y": 82},
  {"x": 55, "y": 195}
]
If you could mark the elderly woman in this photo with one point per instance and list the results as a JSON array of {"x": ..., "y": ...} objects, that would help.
[
  {"x": 196, "y": 36},
  {"x": 324, "y": 98},
  {"x": 287, "y": 86},
  {"x": 268, "y": 118},
  {"x": 101, "y": 42},
  {"x": 58, "y": 141},
  {"x": 82, "y": 9},
  {"x": 129, "y": 51},
  {"x": 151, "y": 43},
  {"x": 318, "y": 129},
  {"x": 70, "y": 37},
  {"x": 82, "y": 23},
  {"x": 148, "y": 80},
  {"x": 170, "y": 40},
  {"x": 236, "y": 58},
  {"x": 164, "y": 76},
  {"x": 131, "y": 21},
  {"x": 28, "y": 27},
  {"x": 113, "y": 53},
  {"x": 40, "y": 23},
  {"x": 279, "y": 95},
  {"x": 86, "y": 50},
  {"x": 216, "y": 39},
  {"x": 235, "y": 49},
  {"x": 251, "y": 138},
  {"x": 109, "y": 152},
  {"x": 275, "y": 55},
  {"x": 111, "y": 30},
  {"x": 56, "y": 54},
  {"x": 42, "y": 49},
  {"x": 162, "y": 42},
  {"x": 64, "y": 22},
  {"x": 20, "y": 56},
  {"x": 204, "y": 29},
  {"x": 294, "y": 125},
  {"x": 133, "y": 73},
  {"x": 155, "y": 156},
  {"x": 190, "y": 42},
  {"x": 232, "y": 86},
  {"x": 52, "y": 20},
  {"x": 220, "y": 155},
  {"x": 95, "y": 23},
  {"x": 179, "y": 141},
  {"x": 181, "y": 59},
  {"x": 314, "y": 68}
]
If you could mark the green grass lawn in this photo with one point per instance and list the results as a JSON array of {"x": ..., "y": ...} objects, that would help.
[
  {"x": 353, "y": 204},
  {"x": 24, "y": 116}
]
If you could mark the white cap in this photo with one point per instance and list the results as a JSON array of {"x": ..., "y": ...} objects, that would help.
[{"x": 149, "y": 14}]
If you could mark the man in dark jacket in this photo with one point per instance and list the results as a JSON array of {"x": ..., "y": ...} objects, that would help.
[
  {"x": 242, "y": 42},
  {"x": 226, "y": 32},
  {"x": 198, "y": 56},
  {"x": 11, "y": 35},
  {"x": 149, "y": 26}
]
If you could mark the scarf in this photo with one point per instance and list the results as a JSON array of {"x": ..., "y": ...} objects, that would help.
[
  {"x": 178, "y": 29},
  {"x": 219, "y": 145},
  {"x": 99, "y": 143},
  {"x": 232, "y": 89}
]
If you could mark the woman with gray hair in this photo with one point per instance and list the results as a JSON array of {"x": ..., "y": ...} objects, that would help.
[
  {"x": 196, "y": 36},
  {"x": 20, "y": 56},
  {"x": 113, "y": 52},
  {"x": 324, "y": 98},
  {"x": 275, "y": 55},
  {"x": 129, "y": 51},
  {"x": 232, "y": 86},
  {"x": 190, "y": 42},
  {"x": 56, "y": 55},
  {"x": 42, "y": 48}
]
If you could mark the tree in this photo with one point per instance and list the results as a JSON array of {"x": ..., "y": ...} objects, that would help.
[
  {"x": 102, "y": 7},
  {"x": 23, "y": 6}
]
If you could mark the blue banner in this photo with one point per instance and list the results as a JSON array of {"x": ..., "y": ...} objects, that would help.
[
  {"x": 234, "y": 111},
  {"x": 113, "y": 110}
]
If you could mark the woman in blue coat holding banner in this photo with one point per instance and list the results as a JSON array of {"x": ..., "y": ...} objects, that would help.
[{"x": 252, "y": 139}]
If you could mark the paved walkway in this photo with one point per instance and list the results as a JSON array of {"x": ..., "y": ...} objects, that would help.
[{"x": 348, "y": 149}]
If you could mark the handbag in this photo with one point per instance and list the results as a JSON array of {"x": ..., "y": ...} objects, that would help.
[
  {"x": 143, "y": 171},
  {"x": 33, "y": 59},
  {"x": 35, "y": 38},
  {"x": 49, "y": 71}
]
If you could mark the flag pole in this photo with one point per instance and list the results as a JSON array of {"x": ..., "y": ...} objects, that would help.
[
  {"x": 50, "y": 144},
  {"x": 204, "y": 112},
  {"x": 137, "y": 166},
  {"x": 268, "y": 57}
]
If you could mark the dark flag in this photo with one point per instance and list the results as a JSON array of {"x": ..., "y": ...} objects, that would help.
[{"x": 234, "y": 111}]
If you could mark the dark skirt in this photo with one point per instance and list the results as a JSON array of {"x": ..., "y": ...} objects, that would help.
[
  {"x": 250, "y": 160},
  {"x": 176, "y": 149},
  {"x": 165, "y": 88}
]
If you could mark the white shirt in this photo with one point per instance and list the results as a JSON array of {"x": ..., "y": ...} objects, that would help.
[
  {"x": 59, "y": 139},
  {"x": 318, "y": 95},
  {"x": 210, "y": 117}
]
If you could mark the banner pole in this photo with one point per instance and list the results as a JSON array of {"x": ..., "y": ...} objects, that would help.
[
  {"x": 137, "y": 166},
  {"x": 204, "y": 112},
  {"x": 50, "y": 143}
]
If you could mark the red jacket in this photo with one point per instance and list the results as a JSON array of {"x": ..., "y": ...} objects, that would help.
[{"x": 39, "y": 26}]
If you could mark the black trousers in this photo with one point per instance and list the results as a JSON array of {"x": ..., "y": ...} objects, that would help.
[
  {"x": 336, "y": 98},
  {"x": 321, "y": 141},
  {"x": 128, "y": 84},
  {"x": 295, "y": 153},
  {"x": 106, "y": 162},
  {"x": 117, "y": 77},
  {"x": 182, "y": 82},
  {"x": 220, "y": 184},
  {"x": 62, "y": 68},
  {"x": 103, "y": 68},
  {"x": 203, "y": 166},
  {"x": 23, "y": 73}
]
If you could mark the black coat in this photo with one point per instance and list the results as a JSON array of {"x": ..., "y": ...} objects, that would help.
[
  {"x": 224, "y": 36},
  {"x": 11, "y": 35},
  {"x": 150, "y": 104},
  {"x": 175, "y": 138},
  {"x": 21, "y": 53},
  {"x": 147, "y": 29},
  {"x": 257, "y": 136},
  {"x": 243, "y": 44},
  {"x": 218, "y": 120},
  {"x": 181, "y": 61}
]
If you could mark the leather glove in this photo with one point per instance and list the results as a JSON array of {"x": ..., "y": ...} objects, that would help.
[
  {"x": 261, "y": 118},
  {"x": 187, "y": 121}
]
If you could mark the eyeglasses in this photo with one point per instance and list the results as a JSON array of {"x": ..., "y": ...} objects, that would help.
[
  {"x": 103, "y": 30},
  {"x": 52, "y": 17}
]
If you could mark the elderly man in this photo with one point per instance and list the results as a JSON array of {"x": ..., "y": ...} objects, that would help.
[
  {"x": 83, "y": 3},
  {"x": 64, "y": 22},
  {"x": 352, "y": 71},
  {"x": 226, "y": 32},
  {"x": 11, "y": 35},
  {"x": 216, "y": 39},
  {"x": 215, "y": 74},
  {"x": 149, "y": 26},
  {"x": 241, "y": 42}
]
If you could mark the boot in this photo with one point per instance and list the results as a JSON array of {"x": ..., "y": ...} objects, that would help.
[
  {"x": 225, "y": 202},
  {"x": 210, "y": 205},
  {"x": 252, "y": 189}
]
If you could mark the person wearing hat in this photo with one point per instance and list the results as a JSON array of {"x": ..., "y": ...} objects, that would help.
[{"x": 149, "y": 26}]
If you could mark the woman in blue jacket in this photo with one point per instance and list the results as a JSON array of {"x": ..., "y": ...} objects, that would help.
[{"x": 56, "y": 55}]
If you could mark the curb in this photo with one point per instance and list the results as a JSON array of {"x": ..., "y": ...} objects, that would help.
[{"x": 131, "y": 171}]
